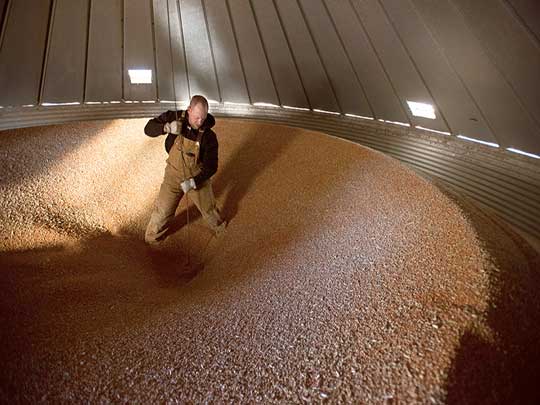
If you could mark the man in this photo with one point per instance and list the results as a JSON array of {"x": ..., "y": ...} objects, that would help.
[{"x": 192, "y": 161}]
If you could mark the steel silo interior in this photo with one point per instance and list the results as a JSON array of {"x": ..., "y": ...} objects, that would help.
[{"x": 379, "y": 172}]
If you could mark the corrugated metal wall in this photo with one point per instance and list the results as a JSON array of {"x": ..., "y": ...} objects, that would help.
[{"x": 477, "y": 62}]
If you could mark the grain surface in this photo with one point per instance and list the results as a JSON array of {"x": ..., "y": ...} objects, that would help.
[{"x": 343, "y": 277}]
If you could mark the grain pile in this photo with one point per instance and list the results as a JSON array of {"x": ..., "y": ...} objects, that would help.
[{"x": 342, "y": 277}]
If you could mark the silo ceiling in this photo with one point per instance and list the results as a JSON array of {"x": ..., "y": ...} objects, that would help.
[{"x": 476, "y": 63}]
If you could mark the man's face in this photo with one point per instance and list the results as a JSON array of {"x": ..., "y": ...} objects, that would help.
[{"x": 196, "y": 115}]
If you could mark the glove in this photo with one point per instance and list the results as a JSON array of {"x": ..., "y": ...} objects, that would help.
[
  {"x": 172, "y": 127},
  {"x": 187, "y": 185}
]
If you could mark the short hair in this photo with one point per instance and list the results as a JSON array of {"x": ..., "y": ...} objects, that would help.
[{"x": 198, "y": 99}]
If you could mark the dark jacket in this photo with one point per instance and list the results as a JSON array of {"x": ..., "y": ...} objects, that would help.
[{"x": 208, "y": 155}]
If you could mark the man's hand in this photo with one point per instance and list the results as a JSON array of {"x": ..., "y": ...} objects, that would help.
[
  {"x": 172, "y": 127},
  {"x": 187, "y": 185}
]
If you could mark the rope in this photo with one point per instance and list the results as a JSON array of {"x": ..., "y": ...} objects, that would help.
[{"x": 176, "y": 115}]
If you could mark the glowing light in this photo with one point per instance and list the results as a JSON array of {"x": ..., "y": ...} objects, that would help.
[
  {"x": 29, "y": 105},
  {"x": 140, "y": 76},
  {"x": 237, "y": 104},
  {"x": 495, "y": 145},
  {"x": 422, "y": 109},
  {"x": 53, "y": 104},
  {"x": 532, "y": 155},
  {"x": 149, "y": 101},
  {"x": 403, "y": 124},
  {"x": 359, "y": 116},
  {"x": 433, "y": 130},
  {"x": 180, "y": 102},
  {"x": 295, "y": 108},
  {"x": 326, "y": 112},
  {"x": 212, "y": 102},
  {"x": 266, "y": 105},
  {"x": 102, "y": 102}
]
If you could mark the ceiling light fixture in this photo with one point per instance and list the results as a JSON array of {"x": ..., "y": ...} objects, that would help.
[
  {"x": 140, "y": 76},
  {"x": 422, "y": 109}
]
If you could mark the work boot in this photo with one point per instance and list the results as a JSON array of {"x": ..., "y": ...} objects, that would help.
[{"x": 155, "y": 244}]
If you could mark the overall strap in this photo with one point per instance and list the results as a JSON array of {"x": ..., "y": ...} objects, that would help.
[{"x": 200, "y": 135}]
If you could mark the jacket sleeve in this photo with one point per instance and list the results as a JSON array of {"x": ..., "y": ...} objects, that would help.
[
  {"x": 154, "y": 127},
  {"x": 208, "y": 158}
]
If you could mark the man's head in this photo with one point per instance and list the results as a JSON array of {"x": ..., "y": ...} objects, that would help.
[{"x": 197, "y": 111}]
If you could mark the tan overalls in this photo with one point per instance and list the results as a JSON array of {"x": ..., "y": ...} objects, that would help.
[{"x": 171, "y": 193}]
